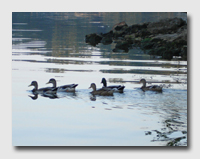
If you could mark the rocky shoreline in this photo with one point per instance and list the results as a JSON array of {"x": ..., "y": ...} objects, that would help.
[{"x": 166, "y": 38}]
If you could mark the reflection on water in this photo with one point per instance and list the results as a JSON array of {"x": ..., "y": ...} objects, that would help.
[
  {"x": 169, "y": 106},
  {"x": 52, "y": 45},
  {"x": 54, "y": 95}
]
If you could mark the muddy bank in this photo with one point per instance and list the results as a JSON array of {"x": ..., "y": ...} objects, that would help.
[{"x": 166, "y": 38}]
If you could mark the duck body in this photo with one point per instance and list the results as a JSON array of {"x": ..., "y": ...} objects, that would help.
[
  {"x": 41, "y": 90},
  {"x": 101, "y": 92},
  {"x": 64, "y": 88},
  {"x": 115, "y": 88},
  {"x": 150, "y": 88}
]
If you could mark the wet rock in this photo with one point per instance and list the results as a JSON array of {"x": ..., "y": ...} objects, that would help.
[
  {"x": 106, "y": 40},
  {"x": 119, "y": 26},
  {"x": 135, "y": 28},
  {"x": 122, "y": 45},
  {"x": 183, "y": 52},
  {"x": 110, "y": 33},
  {"x": 143, "y": 33},
  {"x": 138, "y": 40},
  {"x": 166, "y": 26},
  {"x": 130, "y": 38},
  {"x": 147, "y": 43},
  {"x": 93, "y": 39},
  {"x": 165, "y": 38}
]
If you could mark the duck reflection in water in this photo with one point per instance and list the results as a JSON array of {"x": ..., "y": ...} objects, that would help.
[
  {"x": 93, "y": 97},
  {"x": 35, "y": 96}
]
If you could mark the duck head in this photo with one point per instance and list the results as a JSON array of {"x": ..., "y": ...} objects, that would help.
[
  {"x": 104, "y": 82},
  {"x": 53, "y": 81},
  {"x": 93, "y": 86},
  {"x": 143, "y": 81},
  {"x": 35, "y": 84}
]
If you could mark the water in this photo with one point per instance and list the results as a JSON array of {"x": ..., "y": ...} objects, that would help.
[{"x": 52, "y": 45}]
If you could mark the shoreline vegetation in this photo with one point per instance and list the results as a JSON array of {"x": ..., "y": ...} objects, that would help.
[{"x": 164, "y": 39}]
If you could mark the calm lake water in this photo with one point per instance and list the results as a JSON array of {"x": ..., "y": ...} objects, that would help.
[{"x": 52, "y": 45}]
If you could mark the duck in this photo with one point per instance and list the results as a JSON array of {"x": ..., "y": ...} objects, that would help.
[
  {"x": 64, "y": 88},
  {"x": 115, "y": 88},
  {"x": 101, "y": 92},
  {"x": 151, "y": 88},
  {"x": 39, "y": 91}
]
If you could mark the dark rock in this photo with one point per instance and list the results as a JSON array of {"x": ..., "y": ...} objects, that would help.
[
  {"x": 135, "y": 28},
  {"x": 165, "y": 38},
  {"x": 183, "y": 52},
  {"x": 130, "y": 38},
  {"x": 166, "y": 26},
  {"x": 118, "y": 34},
  {"x": 147, "y": 43},
  {"x": 93, "y": 39},
  {"x": 110, "y": 33},
  {"x": 119, "y": 26},
  {"x": 122, "y": 45},
  {"x": 143, "y": 33},
  {"x": 157, "y": 51},
  {"x": 106, "y": 40},
  {"x": 119, "y": 30},
  {"x": 167, "y": 55}
]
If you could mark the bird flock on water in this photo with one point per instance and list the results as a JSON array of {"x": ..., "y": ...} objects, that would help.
[{"x": 104, "y": 91}]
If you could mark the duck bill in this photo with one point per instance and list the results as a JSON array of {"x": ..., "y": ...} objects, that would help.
[
  {"x": 29, "y": 85},
  {"x": 89, "y": 87},
  {"x": 47, "y": 83}
]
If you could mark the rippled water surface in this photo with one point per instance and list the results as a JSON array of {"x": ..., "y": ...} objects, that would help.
[{"x": 52, "y": 45}]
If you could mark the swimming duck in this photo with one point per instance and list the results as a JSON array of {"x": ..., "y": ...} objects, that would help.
[
  {"x": 64, "y": 88},
  {"x": 151, "y": 88},
  {"x": 39, "y": 91},
  {"x": 101, "y": 92},
  {"x": 115, "y": 88}
]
